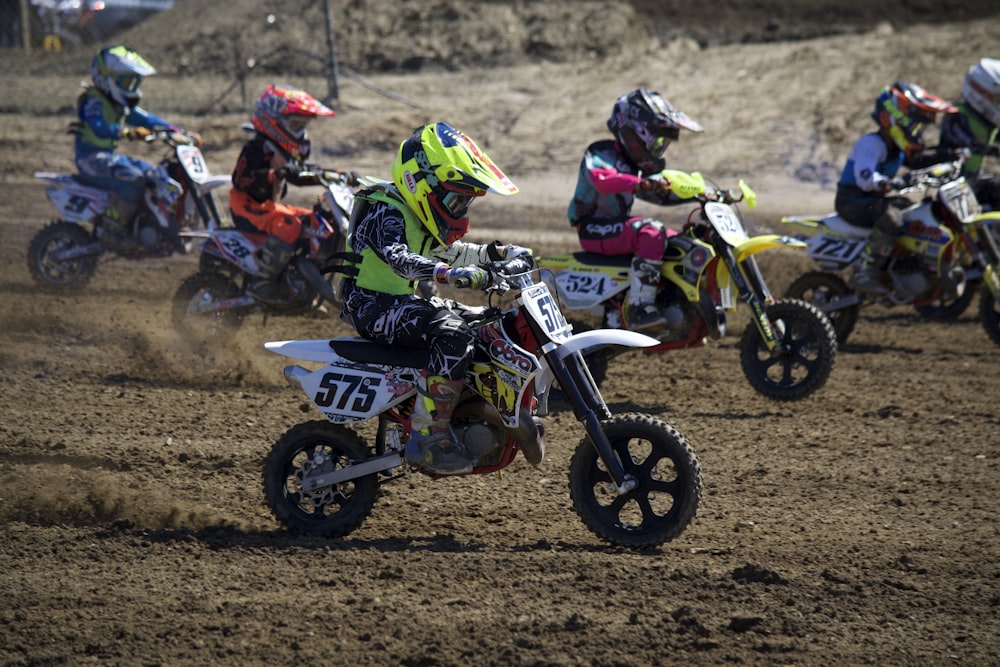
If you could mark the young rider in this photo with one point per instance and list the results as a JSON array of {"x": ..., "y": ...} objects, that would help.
[
  {"x": 613, "y": 173},
  {"x": 271, "y": 160},
  {"x": 901, "y": 112},
  {"x": 410, "y": 230},
  {"x": 108, "y": 111},
  {"x": 977, "y": 126}
]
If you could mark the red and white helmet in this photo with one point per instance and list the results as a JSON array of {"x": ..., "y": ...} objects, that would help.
[
  {"x": 981, "y": 89},
  {"x": 282, "y": 114},
  {"x": 904, "y": 109}
]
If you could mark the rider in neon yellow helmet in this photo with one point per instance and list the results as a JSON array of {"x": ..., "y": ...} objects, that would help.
[
  {"x": 409, "y": 231},
  {"x": 439, "y": 171}
]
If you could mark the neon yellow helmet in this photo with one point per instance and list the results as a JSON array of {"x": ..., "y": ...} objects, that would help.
[
  {"x": 439, "y": 170},
  {"x": 117, "y": 71}
]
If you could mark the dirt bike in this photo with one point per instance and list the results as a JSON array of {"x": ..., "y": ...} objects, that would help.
[
  {"x": 210, "y": 305},
  {"x": 945, "y": 253},
  {"x": 634, "y": 480},
  {"x": 788, "y": 350},
  {"x": 64, "y": 254}
]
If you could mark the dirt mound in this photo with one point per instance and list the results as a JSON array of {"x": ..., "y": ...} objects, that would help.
[{"x": 288, "y": 37}]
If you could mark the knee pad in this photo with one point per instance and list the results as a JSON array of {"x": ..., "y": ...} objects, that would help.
[{"x": 450, "y": 341}]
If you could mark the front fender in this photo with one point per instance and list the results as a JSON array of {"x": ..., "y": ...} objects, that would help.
[
  {"x": 603, "y": 337},
  {"x": 754, "y": 245}
]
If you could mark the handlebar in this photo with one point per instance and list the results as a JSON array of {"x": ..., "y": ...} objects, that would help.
[{"x": 933, "y": 176}]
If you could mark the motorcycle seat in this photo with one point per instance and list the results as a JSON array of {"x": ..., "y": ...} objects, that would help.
[
  {"x": 366, "y": 352},
  {"x": 839, "y": 225},
  {"x": 604, "y": 260}
]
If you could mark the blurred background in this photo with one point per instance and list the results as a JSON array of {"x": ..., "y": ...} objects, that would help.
[{"x": 54, "y": 25}]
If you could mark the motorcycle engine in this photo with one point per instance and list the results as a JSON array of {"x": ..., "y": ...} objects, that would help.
[
  {"x": 148, "y": 232},
  {"x": 481, "y": 439},
  {"x": 910, "y": 279}
]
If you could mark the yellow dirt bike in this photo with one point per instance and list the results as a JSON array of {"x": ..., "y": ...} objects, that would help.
[{"x": 788, "y": 350}]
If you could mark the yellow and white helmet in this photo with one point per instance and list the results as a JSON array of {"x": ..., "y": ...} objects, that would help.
[{"x": 439, "y": 170}]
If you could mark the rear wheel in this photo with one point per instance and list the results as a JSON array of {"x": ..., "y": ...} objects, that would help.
[
  {"x": 803, "y": 359},
  {"x": 945, "y": 308},
  {"x": 329, "y": 511},
  {"x": 821, "y": 290},
  {"x": 668, "y": 478},
  {"x": 54, "y": 274},
  {"x": 194, "y": 311}
]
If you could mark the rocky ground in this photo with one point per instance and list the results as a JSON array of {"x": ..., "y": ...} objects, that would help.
[{"x": 857, "y": 526}]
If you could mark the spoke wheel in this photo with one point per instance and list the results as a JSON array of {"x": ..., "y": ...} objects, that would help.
[
  {"x": 821, "y": 289},
  {"x": 946, "y": 308},
  {"x": 330, "y": 511},
  {"x": 205, "y": 327},
  {"x": 63, "y": 275},
  {"x": 989, "y": 314},
  {"x": 666, "y": 497},
  {"x": 801, "y": 363}
]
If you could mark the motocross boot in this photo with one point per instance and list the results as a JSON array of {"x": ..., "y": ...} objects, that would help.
[
  {"x": 114, "y": 224},
  {"x": 868, "y": 277},
  {"x": 272, "y": 258},
  {"x": 432, "y": 445},
  {"x": 642, "y": 314}
]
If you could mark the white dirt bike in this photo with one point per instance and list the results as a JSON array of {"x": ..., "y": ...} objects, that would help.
[
  {"x": 64, "y": 254},
  {"x": 634, "y": 480},
  {"x": 945, "y": 253},
  {"x": 210, "y": 306}
]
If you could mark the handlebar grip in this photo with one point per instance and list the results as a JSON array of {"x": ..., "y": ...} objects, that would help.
[{"x": 462, "y": 283}]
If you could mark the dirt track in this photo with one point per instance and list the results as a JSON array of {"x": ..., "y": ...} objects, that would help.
[{"x": 855, "y": 527}]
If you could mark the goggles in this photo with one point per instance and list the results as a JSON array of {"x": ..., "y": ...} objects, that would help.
[
  {"x": 456, "y": 204},
  {"x": 128, "y": 82},
  {"x": 663, "y": 139},
  {"x": 297, "y": 123}
]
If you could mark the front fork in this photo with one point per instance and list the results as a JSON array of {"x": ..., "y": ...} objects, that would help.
[
  {"x": 590, "y": 409},
  {"x": 753, "y": 290}
]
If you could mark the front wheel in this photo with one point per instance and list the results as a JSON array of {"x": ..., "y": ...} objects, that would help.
[
  {"x": 821, "y": 290},
  {"x": 54, "y": 274},
  {"x": 989, "y": 313},
  {"x": 803, "y": 359},
  {"x": 666, "y": 497},
  {"x": 193, "y": 314},
  {"x": 329, "y": 511}
]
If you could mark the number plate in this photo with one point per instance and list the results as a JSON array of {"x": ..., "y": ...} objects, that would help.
[
  {"x": 726, "y": 222},
  {"x": 543, "y": 309},
  {"x": 960, "y": 200}
]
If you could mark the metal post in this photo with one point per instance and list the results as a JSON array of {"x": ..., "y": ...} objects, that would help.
[
  {"x": 25, "y": 26},
  {"x": 333, "y": 96}
]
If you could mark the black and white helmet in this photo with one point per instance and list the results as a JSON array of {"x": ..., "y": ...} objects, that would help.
[
  {"x": 644, "y": 123},
  {"x": 981, "y": 89}
]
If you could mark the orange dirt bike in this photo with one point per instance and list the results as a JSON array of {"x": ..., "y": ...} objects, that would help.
[
  {"x": 788, "y": 350},
  {"x": 944, "y": 256},
  {"x": 64, "y": 254},
  {"x": 634, "y": 480}
]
